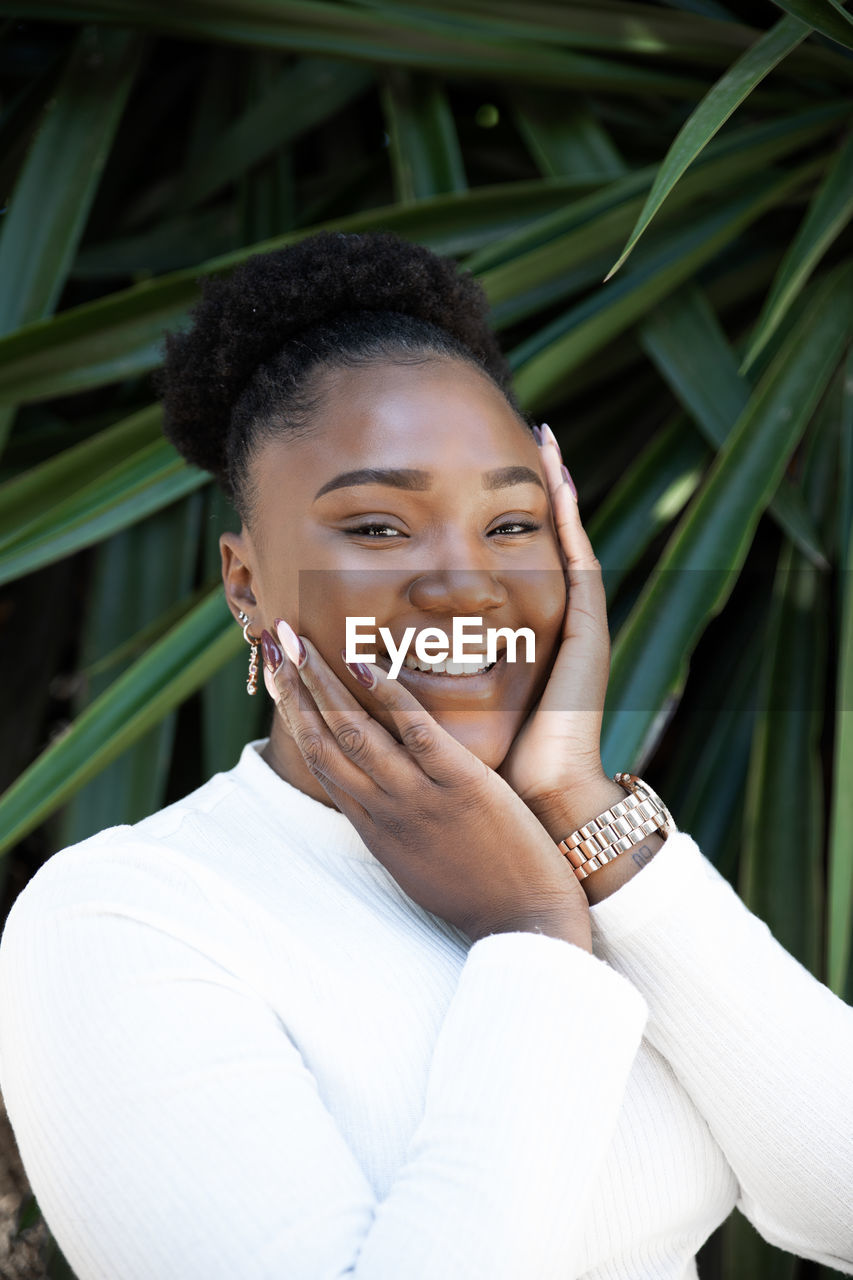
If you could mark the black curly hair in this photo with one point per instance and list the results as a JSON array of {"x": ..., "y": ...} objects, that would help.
[{"x": 239, "y": 375}]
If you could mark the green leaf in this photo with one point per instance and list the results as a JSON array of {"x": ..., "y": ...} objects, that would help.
[
  {"x": 393, "y": 36},
  {"x": 706, "y": 778},
  {"x": 454, "y": 37},
  {"x": 781, "y": 871},
  {"x": 826, "y": 16},
  {"x": 121, "y": 334},
  {"x": 57, "y": 183},
  {"x": 840, "y": 860},
  {"x": 645, "y": 499},
  {"x": 30, "y": 499},
  {"x": 544, "y": 363},
  {"x": 299, "y": 99},
  {"x": 52, "y": 197},
  {"x": 712, "y": 113},
  {"x": 169, "y": 245},
  {"x": 172, "y": 669},
  {"x": 783, "y": 836},
  {"x": 22, "y": 112},
  {"x": 159, "y": 557},
  {"x": 148, "y": 479},
  {"x": 265, "y": 191},
  {"x": 741, "y": 150},
  {"x": 638, "y": 30},
  {"x": 698, "y": 567},
  {"x": 565, "y": 142},
  {"x": 137, "y": 644},
  {"x": 425, "y": 156},
  {"x": 529, "y": 282},
  {"x": 686, "y": 343},
  {"x": 830, "y": 211}
]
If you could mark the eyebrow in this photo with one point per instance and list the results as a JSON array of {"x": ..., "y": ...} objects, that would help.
[{"x": 400, "y": 478}]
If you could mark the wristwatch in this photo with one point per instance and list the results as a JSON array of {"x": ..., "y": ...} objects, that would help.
[{"x": 619, "y": 828}]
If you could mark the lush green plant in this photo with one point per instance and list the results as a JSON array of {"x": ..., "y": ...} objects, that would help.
[{"x": 703, "y": 394}]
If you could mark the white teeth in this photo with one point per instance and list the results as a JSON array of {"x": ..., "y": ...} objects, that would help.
[
  {"x": 446, "y": 667},
  {"x": 414, "y": 664}
]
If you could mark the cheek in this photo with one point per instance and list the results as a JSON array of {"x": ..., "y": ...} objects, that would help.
[
  {"x": 544, "y": 603},
  {"x": 328, "y": 597},
  {"x": 325, "y": 594}
]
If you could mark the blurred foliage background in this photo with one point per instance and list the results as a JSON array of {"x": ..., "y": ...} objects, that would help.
[{"x": 703, "y": 394}]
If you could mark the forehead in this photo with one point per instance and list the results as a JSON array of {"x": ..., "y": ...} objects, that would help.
[{"x": 440, "y": 415}]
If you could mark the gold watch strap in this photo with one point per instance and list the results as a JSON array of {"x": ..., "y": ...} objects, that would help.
[{"x": 617, "y": 829}]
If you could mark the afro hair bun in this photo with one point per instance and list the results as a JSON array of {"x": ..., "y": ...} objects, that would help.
[{"x": 244, "y": 319}]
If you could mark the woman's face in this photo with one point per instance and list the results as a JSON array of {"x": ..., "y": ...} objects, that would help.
[{"x": 417, "y": 498}]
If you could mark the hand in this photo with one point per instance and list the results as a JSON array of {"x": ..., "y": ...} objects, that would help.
[
  {"x": 557, "y": 752},
  {"x": 452, "y": 833}
]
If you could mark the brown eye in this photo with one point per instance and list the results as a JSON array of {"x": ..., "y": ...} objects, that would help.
[
  {"x": 517, "y": 526},
  {"x": 374, "y": 530}
]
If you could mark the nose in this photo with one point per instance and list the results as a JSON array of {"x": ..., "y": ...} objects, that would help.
[{"x": 457, "y": 592}]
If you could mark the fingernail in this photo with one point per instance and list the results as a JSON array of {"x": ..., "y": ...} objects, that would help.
[
  {"x": 290, "y": 642},
  {"x": 362, "y": 673},
  {"x": 569, "y": 481},
  {"x": 273, "y": 657},
  {"x": 549, "y": 435},
  {"x": 537, "y": 435}
]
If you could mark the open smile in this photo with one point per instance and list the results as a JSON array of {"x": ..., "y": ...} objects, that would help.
[{"x": 477, "y": 684}]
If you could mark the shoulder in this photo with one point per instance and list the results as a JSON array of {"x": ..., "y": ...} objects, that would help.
[
  {"x": 103, "y": 919},
  {"x": 165, "y": 859}
]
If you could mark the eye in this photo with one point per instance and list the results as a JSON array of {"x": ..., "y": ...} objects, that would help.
[
  {"x": 518, "y": 526},
  {"x": 374, "y": 530}
]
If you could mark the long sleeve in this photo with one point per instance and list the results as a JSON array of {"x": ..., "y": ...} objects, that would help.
[
  {"x": 764, "y": 1049},
  {"x": 170, "y": 1126}
]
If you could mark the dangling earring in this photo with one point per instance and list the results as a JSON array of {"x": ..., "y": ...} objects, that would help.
[{"x": 252, "y": 683}]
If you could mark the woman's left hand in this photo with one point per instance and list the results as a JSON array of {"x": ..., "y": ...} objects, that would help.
[{"x": 557, "y": 752}]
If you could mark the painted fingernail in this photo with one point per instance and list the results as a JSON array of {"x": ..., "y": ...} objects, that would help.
[
  {"x": 569, "y": 481},
  {"x": 362, "y": 673},
  {"x": 273, "y": 656},
  {"x": 549, "y": 435},
  {"x": 290, "y": 642},
  {"x": 537, "y": 435}
]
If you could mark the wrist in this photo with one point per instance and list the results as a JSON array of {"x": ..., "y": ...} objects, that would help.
[
  {"x": 607, "y": 879},
  {"x": 566, "y": 811}
]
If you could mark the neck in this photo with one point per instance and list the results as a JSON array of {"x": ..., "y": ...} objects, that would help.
[{"x": 282, "y": 754}]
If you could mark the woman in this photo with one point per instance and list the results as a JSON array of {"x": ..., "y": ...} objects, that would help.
[{"x": 349, "y": 1008}]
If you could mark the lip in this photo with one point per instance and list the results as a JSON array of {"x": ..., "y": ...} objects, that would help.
[{"x": 453, "y": 688}]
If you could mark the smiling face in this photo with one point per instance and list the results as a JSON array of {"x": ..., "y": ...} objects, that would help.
[{"x": 418, "y": 497}]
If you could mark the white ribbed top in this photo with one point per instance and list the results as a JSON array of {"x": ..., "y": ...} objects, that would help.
[{"x": 231, "y": 1046}]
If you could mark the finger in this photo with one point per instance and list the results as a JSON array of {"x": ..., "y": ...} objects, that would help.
[
  {"x": 433, "y": 749},
  {"x": 346, "y": 803},
  {"x": 322, "y": 755},
  {"x": 361, "y": 738},
  {"x": 586, "y": 615},
  {"x": 425, "y": 743}
]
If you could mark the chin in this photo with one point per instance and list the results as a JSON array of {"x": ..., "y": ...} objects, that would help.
[{"x": 487, "y": 736}]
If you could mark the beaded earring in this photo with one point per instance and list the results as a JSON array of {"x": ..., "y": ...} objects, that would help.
[{"x": 252, "y": 682}]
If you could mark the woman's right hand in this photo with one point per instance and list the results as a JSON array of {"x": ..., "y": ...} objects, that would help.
[{"x": 452, "y": 833}]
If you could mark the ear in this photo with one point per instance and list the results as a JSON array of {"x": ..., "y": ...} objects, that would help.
[{"x": 237, "y": 572}]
